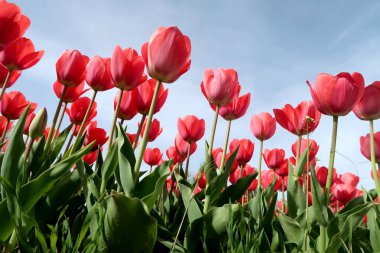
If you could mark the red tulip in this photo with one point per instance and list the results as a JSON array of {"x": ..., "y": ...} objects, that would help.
[
  {"x": 13, "y": 105},
  {"x": 152, "y": 157},
  {"x": 172, "y": 154},
  {"x": 368, "y": 108},
  {"x": 20, "y": 54},
  {"x": 154, "y": 131},
  {"x": 301, "y": 120},
  {"x": 91, "y": 158},
  {"x": 46, "y": 133},
  {"x": 263, "y": 126},
  {"x": 98, "y": 75},
  {"x": 3, "y": 123},
  {"x": 167, "y": 54},
  {"x": 127, "y": 110},
  {"x": 321, "y": 173},
  {"x": 313, "y": 150},
  {"x": 94, "y": 133},
  {"x": 241, "y": 173},
  {"x": 78, "y": 110},
  {"x": 127, "y": 68},
  {"x": 182, "y": 146},
  {"x": 274, "y": 158},
  {"x": 131, "y": 137},
  {"x": 191, "y": 128},
  {"x": 201, "y": 180},
  {"x": 28, "y": 121},
  {"x": 13, "y": 24},
  {"x": 218, "y": 160},
  {"x": 365, "y": 146},
  {"x": 268, "y": 177},
  {"x": 76, "y": 128},
  {"x": 220, "y": 86},
  {"x": 237, "y": 108},
  {"x": 337, "y": 95},
  {"x": 282, "y": 170},
  {"x": 72, "y": 92},
  {"x": 3, "y": 75},
  {"x": 349, "y": 178},
  {"x": 144, "y": 96},
  {"x": 343, "y": 192},
  {"x": 245, "y": 151},
  {"x": 71, "y": 68},
  {"x": 216, "y": 153}
]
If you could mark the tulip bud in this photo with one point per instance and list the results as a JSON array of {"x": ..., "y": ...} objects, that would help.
[{"x": 38, "y": 124}]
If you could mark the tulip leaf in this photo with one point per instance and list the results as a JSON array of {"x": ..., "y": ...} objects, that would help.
[
  {"x": 295, "y": 195},
  {"x": 374, "y": 229},
  {"x": 292, "y": 229},
  {"x": 110, "y": 164},
  {"x": 301, "y": 163},
  {"x": 320, "y": 210},
  {"x": 193, "y": 212},
  {"x": 235, "y": 191}
]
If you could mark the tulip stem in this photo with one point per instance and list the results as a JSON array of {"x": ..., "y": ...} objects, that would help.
[
  {"x": 5, "y": 83},
  {"x": 373, "y": 162},
  {"x": 332, "y": 157},
  {"x": 138, "y": 132},
  {"x": 187, "y": 161},
  {"x": 71, "y": 138},
  {"x": 213, "y": 131},
  {"x": 52, "y": 128},
  {"x": 5, "y": 131},
  {"x": 260, "y": 162},
  {"x": 144, "y": 140},
  {"x": 60, "y": 119},
  {"x": 225, "y": 146},
  {"x": 298, "y": 149},
  {"x": 114, "y": 119},
  {"x": 81, "y": 129}
]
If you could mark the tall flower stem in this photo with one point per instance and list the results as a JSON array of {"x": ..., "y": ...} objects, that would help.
[
  {"x": 138, "y": 132},
  {"x": 187, "y": 161},
  {"x": 81, "y": 129},
  {"x": 373, "y": 159},
  {"x": 5, "y": 131},
  {"x": 5, "y": 84},
  {"x": 60, "y": 119},
  {"x": 332, "y": 154},
  {"x": 225, "y": 147},
  {"x": 144, "y": 140},
  {"x": 213, "y": 131},
  {"x": 260, "y": 162},
  {"x": 52, "y": 128},
  {"x": 114, "y": 119}
]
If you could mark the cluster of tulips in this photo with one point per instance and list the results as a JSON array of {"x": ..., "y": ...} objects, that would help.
[{"x": 165, "y": 57}]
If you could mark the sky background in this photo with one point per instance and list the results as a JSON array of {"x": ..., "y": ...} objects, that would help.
[{"x": 275, "y": 46}]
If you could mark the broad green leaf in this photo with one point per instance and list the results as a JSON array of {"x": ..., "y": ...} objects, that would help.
[
  {"x": 320, "y": 210},
  {"x": 193, "y": 211},
  {"x": 293, "y": 231},
  {"x": 301, "y": 163},
  {"x": 110, "y": 164},
  {"x": 235, "y": 191}
]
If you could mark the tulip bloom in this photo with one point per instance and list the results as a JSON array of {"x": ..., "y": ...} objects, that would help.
[
  {"x": 313, "y": 150},
  {"x": 72, "y": 93},
  {"x": 144, "y": 96},
  {"x": 4, "y": 127},
  {"x": 167, "y": 54},
  {"x": 263, "y": 126},
  {"x": 12, "y": 79},
  {"x": 71, "y": 68},
  {"x": 28, "y": 121},
  {"x": 220, "y": 86},
  {"x": 218, "y": 160},
  {"x": 131, "y": 137},
  {"x": 127, "y": 110},
  {"x": 13, "y": 105},
  {"x": 13, "y": 24},
  {"x": 98, "y": 75},
  {"x": 268, "y": 177},
  {"x": 94, "y": 133},
  {"x": 321, "y": 173},
  {"x": 365, "y": 146},
  {"x": 245, "y": 151},
  {"x": 349, "y": 178},
  {"x": 337, "y": 95},
  {"x": 274, "y": 158},
  {"x": 154, "y": 131},
  {"x": 236, "y": 109},
  {"x": 182, "y": 146},
  {"x": 201, "y": 180},
  {"x": 191, "y": 128},
  {"x": 282, "y": 170},
  {"x": 301, "y": 120},
  {"x": 20, "y": 54},
  {"x": 241, "y": 173},
  {"x": 91, "y": 158},
  {"x": 368, "y": 108},
  {"x": 343, "y": 192},
  {"x": 172, "y": 154},
  {"x": 127, "y": 68},
  {"x": 152, "y": 157},
  {"x": 78, "y": 110}
]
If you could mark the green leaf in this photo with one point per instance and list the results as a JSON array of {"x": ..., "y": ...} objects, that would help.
[
  {"x": 193, "y": 211},
  {"x": 235, "y": 191},
  {"x": 302, "y": 162},
  {"x": 320, "y": 210},
  {"x": 293, "y": 231},
  {"x": 374, "y": 229},
  {"x": 110, "y": 164}
]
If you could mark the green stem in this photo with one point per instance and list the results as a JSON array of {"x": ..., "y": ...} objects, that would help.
[
  {"x": 373, "y": 159},
  {"x": 213, "y": 131},
  {"x": 5, "y": 83},
  {"x": 138, "y": 132},
  {"x": 5, "y": 131},
  {"x": 114, "y": 119},
  {"x": 52, "y": 128},
  {"x": 225, "y": 147},
  {"x": 260, "y": 162},
  {"x": 60, "y": 119},
  {"x": 298, "y": 149},
  {"x": 332, "y": 157},
  {"x": 187, "y": 161},
  {"x": 71, "y": 138},
  {"x": 144, "y": 140}
]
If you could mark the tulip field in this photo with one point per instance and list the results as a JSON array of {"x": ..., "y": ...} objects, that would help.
[{"x": 82, "y": 188}]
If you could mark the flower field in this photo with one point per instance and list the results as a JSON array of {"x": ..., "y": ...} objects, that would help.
[{"x": 80, "y": 188}]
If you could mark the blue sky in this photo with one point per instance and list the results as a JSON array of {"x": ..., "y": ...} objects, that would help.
[{"x": 275, "y": 46}]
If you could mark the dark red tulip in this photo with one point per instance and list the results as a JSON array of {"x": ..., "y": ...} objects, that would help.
[
  {"x": 321, "y": 173},
  {"x": 127, "y": 110},
  {"x": 365, "y": 146},
  {"x": 237, "y": 108},
  {"x": 301, "y": 120},
  {"x": 3, "y": 75},
  {"x": 152, "y": 157},
  {"x": 337, "y": 95},
  {"x": 3, "y": 124},
  {"x": 274, "y": 158},
  {"x": 263, "y": 126},
  {"x": 220, "y": 86},
  {"x": 28, "y": 121},
  {"x": 167, "y": 54},
  {"x": 71, "y": 68},
  {"x": 127, "y": 68},
  {"x": 98, "y": 75},
  {"x": 191, "y": 128},
  {"x": 20, "y": 54},
  {"x": 182, "y": 146},
  {"x": 241, "y": 173},
  {"x": 201, "y": 180},
  {"x": 91, "y": 158},
  {"x": 144, "y": 96},
  {"x": 72, "y": 92},
  {"x": 13, "y": 105},
  {"x": 368, "y": 107},
  {"x": 78, "y": 109},
  {"x": 172, "y": 154},
  {"x": 313, "y": 150},
  {"x": 282, "y": 170},
  {"x": 94, "y": 133},
  {"x": 245, "y": 151},
  {"x": 131, "y": 137},
  {"x": 154, "y": 131},
  {"x": 13, "y": 24}
]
